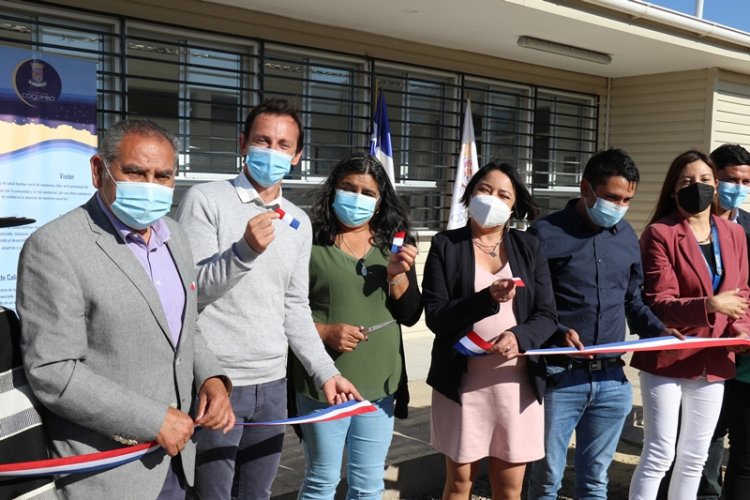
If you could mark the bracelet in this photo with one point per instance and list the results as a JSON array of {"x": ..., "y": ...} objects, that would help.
[{"x": 396, "y": 282}]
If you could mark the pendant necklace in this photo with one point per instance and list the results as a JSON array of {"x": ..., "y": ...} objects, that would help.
[
  {"x": 360, "y": 268},
  {"x": 488, "y": 249}
]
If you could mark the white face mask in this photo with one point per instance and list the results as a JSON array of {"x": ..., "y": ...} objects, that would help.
[{"x": 488, "y": 211}]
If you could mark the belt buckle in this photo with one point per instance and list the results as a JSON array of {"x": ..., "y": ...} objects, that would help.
[{"x": 595, "y": 365}]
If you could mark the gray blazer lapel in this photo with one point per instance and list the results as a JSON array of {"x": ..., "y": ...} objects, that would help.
[
  {"x": 122, "y": 257},
  {"x": 186, "y": 269}
]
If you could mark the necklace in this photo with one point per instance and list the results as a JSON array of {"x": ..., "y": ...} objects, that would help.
[
  {"x": 707, "y": 240},
  {"x": 488, "y": 249},
  {"x": 360, "y": 268}
]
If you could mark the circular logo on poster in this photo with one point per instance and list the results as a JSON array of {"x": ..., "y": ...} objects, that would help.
[{"x": 37, "y": 82}]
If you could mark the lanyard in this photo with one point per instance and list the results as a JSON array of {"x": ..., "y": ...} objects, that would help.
[{"x": 715, "y": 277}]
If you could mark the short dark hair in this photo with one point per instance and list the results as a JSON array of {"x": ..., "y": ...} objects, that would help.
[
  {"x": 525, "y": 206},
  {"x": 729, "y": 155},
  {"x": 109, "y": 147},
  {"x": 666, "y": 203},
  {"x": 392, "y": 215},
  {"x": 610, "y": 163},
  {"x": 275, "y": 107}
]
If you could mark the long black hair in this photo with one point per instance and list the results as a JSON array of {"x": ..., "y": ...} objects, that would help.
[{"x": 391, "y": 216}]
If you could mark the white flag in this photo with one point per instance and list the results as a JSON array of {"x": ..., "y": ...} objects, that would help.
[{"x": 467, "y": 167}]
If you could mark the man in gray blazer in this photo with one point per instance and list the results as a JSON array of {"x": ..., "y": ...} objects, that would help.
[{"x": 107, "y": 301}]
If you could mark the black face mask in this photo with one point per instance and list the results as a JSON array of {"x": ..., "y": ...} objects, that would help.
[{"x": 696, "y": 197}]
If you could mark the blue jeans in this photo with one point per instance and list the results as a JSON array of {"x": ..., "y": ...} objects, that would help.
[
  {"x": 367, "y": 438},
  {"x": 243, "y": 462},
  {"x": 594, "y": 405}
]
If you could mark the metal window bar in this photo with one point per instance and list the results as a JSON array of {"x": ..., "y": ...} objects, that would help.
[{"x": 553, "y": 132}]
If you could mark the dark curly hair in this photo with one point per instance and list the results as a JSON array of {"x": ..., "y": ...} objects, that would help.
[{"x": 392, "y": 215}]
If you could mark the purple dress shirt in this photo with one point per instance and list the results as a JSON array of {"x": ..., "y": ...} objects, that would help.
[{"x": 158, "y": 263}]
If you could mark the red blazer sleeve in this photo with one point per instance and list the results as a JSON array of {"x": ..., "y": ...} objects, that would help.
[{"x": 678, "y": 301}]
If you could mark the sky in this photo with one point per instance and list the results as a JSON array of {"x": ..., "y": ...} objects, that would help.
[{"x": 733, "y": 13}]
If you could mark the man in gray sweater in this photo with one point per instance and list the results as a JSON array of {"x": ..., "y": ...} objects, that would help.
[{"x": 252, "y": 249}]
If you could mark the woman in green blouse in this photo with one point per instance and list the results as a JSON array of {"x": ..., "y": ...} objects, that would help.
[{"x": 357, "y": 283}]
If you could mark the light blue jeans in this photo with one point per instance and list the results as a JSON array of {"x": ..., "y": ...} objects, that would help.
[
  {"x": 594, "y": 405},
  {"x": 367, "y": 438}
]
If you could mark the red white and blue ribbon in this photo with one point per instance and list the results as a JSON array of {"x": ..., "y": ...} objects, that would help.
[
  {"x": 398, "y": 241},
  {"x": 643, "y": 345},
  {"x": 89, "y": 462},
  {"x": 473, "y": 345},
  {"x": 92, "y": 462},
  {"x": 343, "y": 410},
  {"x": 286, "y": 218}
]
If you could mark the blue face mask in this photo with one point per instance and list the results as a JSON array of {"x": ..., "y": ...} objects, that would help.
[
  {"x": 140, "y": 204},
  {"x": 267, "y": 166},
  {"x": 605, "y": 213},
  {"x": 731, "y": 195},
  {"x": 353, "y": 209}
]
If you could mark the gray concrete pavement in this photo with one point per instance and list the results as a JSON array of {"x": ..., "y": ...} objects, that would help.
[{"x": 413, "y": 467}]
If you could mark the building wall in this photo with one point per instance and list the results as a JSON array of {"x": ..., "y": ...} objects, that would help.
[
  {"x": 227, "y": 20},
  {"x": 731, "y": 104},
  {"x": 731, "y": 116},
  {"x": 655, "y": 118}
]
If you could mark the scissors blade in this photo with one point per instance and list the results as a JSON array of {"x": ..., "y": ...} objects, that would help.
[{"x": 379, "y": 326}]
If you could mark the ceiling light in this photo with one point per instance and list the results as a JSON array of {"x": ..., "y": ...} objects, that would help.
[{"x": 564, "y": 50}]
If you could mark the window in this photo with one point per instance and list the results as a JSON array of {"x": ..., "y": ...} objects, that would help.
[
  {"x": 424, "y": 119},
  {"x": 333, "y": 97},
  {"x": 197, "y": 89},
  {"x": 201, "y": 86},
  {"x": 565, "y": 128},
  {"x": 502, "y": 123}
]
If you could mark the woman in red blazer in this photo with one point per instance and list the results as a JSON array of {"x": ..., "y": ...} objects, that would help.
[{"x": 695, "y": 279}]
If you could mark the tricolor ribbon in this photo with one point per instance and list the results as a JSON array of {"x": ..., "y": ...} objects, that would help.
[
  {"x": 643, "y": 345},
  {"x": 89, "y": 462},
  {"x": 101, "y": 460},
  {"x": 286, "y": 218},
  {"x": 473, "y": 345},
  {"x": 398, "y": 241},
  {"x": 343, "y": 410}
]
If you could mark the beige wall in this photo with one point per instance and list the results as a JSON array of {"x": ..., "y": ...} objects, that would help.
[
  {"x": 731, "y": 117},
  {"x": 655, "y": 118},
  {"x": 424, "y": 247},
  {"x": 731, "y": 105}
]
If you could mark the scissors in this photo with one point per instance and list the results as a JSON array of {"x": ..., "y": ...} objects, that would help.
[{"x": 369, "y": 329}]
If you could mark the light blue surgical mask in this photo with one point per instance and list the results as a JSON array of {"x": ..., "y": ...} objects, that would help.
[
  {"x": 731, "y": 194},
  {"x": 267, "y": 166},
  {"x": 353, "y": 209},
  {"x": 605, "y": 213},
  {"x": 140, "y": 204}
]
